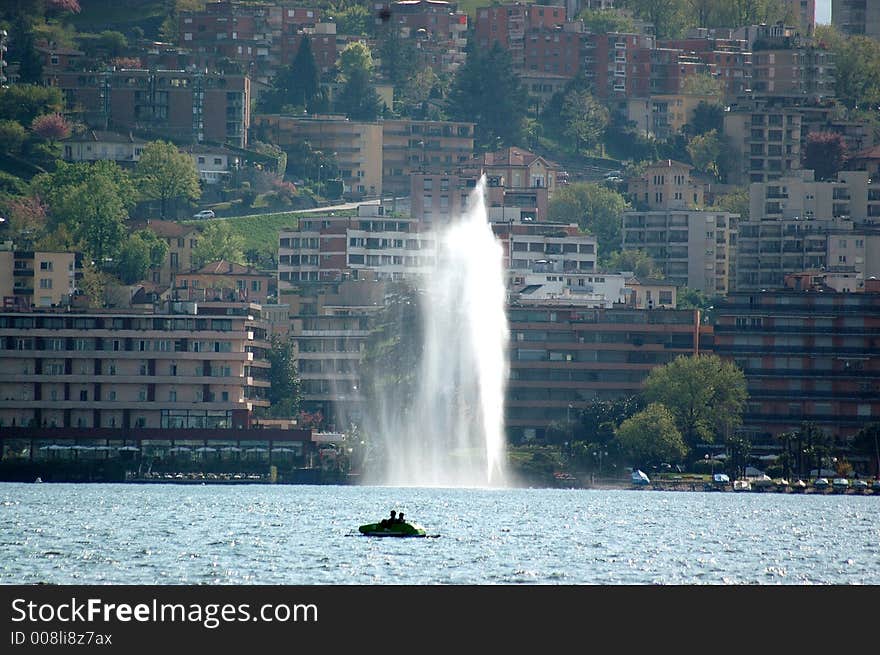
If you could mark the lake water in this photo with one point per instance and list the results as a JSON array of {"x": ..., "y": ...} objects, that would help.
[{"x": 296, "y": 535}]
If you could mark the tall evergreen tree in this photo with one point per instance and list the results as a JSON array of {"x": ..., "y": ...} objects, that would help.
[
  {"x": 358, "y": 99},
  {"x": 295, "y": 85},
  {"x": 22, "y": 50},
  {"x": 488, "y": 92}
]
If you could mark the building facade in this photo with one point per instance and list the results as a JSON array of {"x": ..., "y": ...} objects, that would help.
[
  {"x": 562, "y": 358},
  {"x": 807, "y": 356},
  {"x": 796, "y": 223},
  {"x": 178, "y": 104},
  {"x": 31, "y": 279},
  {"x": 192, "y": 365}
]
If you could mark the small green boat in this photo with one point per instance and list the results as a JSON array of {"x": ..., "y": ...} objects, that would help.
[{"x": 393, "y": 530}]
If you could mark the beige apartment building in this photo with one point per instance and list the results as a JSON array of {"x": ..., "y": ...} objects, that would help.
[
  {"x": 38, "y": 279},
  {"x": 188, "y": 366},
  {"x": 181, "y": 240},
  {"x": 428, "y": 146},
  {"x": 796, "y": 224},
  {"x": 357, "y": 146},
  {"x": 765, "y": 139},
  {"x": 666, "y": 184}
]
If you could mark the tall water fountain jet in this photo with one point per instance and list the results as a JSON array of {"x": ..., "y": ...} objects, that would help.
[{"x": 453, "y": 435}]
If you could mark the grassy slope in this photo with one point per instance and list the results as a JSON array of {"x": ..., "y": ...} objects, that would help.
[{"x": 259, "y": 231}]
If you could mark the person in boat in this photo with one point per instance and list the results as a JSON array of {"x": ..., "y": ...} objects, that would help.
[
  {"x": 387, "y": 523},
  {"x": 400, "y": 518}
]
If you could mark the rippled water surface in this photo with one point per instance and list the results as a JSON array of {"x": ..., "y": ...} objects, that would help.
[{"x": 264, "y": 534}]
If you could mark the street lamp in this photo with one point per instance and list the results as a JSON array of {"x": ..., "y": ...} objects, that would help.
[{"x": 600, "y": 454}]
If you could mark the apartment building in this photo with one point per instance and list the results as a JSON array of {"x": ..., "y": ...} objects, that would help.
[
  {"x": 179, "y": 104},
  {"x": 808, "y": 355},
  {"x": 374, "y": 244},
  {"x": 693, "y": 248},
  {"x": 801, "y": 71},
  {"x": 512, "y": 25},
  {"x": 856, "y": 17},
  {"x": 356, "y": 145},
  {"x": 38, "y": 279},
  {"x": 562, "y": 358},
  {"x": 330, "y": 325},
  {"x": 223, "y": 280},
  {"x": 558, "y": 247},
  {"x": 620, "y": 66},
  {"x": 729, "y": 59},
  {"x": 437, "y": 29},
  {"x": 181, "y": 240},
  {"x": 797, "y": 223},
  {"x": 256, "y": 36},
  {"x": 765, "y": 136},
  {"x": 191, "y": 365},
  {"x": 410, "y": 146}
]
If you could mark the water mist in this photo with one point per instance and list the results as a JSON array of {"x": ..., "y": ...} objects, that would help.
[{"x": 453, "y": 435}]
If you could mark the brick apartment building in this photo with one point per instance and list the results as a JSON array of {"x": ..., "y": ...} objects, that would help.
[
  {"x": 177, "y": 104},
  {"x": 562, "y": 358},
  {"x": 809, "y": 354}
]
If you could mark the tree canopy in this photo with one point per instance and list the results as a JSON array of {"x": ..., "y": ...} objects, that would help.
[
  {"x": 217, "y": 241},
  {"x": 651, "y": 436},
  {"x": 825, "y": 153},
  {"x": 165, "y": 174},
  {"x": 488, "y": 92},
  {"x": 705, "y": 394},
  {"x": 595, "y": 208}
]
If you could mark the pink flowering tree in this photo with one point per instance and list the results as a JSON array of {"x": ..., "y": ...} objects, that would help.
[
  {"x": 51, "y": 127},
  {"x": 64, "y": 6}
]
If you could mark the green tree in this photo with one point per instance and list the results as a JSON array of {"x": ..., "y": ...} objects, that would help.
[
  {"x": 856, "y": 67},
  {"x": 703, "y": 84},
  {"x": 487, "y": 91},
  {"x": 585, "y": 120},
  {"x": 707, "y": 117},
  {"x": 598, "y": 421},
  {"x": 705, "y": 152},
  {"x": 705, "y": 394},
  {"x": 296, "y": 85},
  {"x": 142, "y": 250},
  {"x": 667, "y": 16},
  {"x": 358, "y": 99},
  {"x": 602, "y": 21},
  {"x": 639, "y": 262},
  {"x": 53, "y": 187},
  {"x": 595, "y": 208},
  {"x": 284, "y": 394},
  {"x": 12, "y": 137},
  {"x": 22, "y": 50},
  {"x": 398, "y": 55},
  {"x": 217, "y": 242},
  {"x": 651, "y": 437},
  {"x": 96, "y": 215},
  {"x": 165, "y": 174},
  {"x": 350, "y": 18},
  {"x": 355, "y": 58},
  {"x": 696, "y": 299},
  {"x": 825, "y": 153},
  {"x": 735, "y": 202},
  {"x": 24, "y": 102}
]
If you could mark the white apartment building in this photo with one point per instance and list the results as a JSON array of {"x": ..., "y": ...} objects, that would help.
[{"x": 694, "y": 249}]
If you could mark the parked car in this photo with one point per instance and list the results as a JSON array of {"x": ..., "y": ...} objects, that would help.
[{"x": 205, "y": 213}]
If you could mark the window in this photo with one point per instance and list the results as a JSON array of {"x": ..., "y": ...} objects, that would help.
[
  {"x": 45, "y": 266},
  {"x": 46, "y": 283}
]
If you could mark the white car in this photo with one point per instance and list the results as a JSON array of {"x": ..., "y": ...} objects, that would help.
[{"x": 205, "y": 213}]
